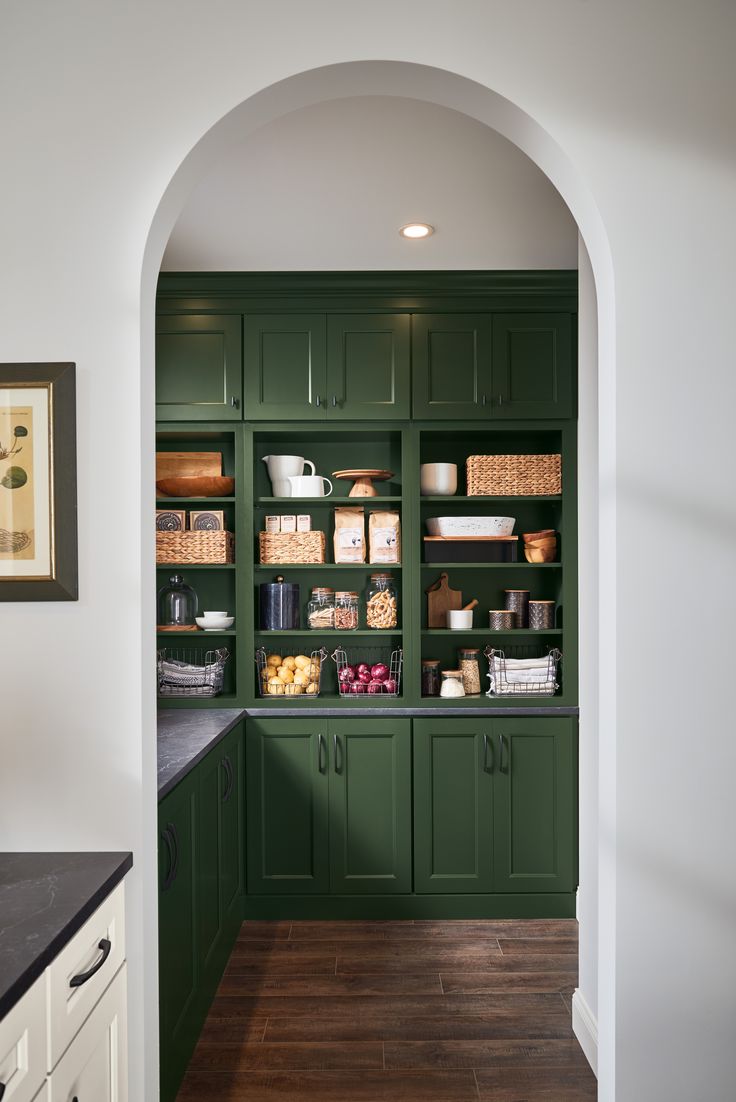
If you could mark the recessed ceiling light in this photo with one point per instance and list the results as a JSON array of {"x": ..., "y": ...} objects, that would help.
[{"x": 416, "y": 230}]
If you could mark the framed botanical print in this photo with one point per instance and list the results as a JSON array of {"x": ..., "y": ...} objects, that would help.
[{"x": 38, "y": 482}]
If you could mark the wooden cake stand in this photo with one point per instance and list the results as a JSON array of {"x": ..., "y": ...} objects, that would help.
[{"x": 363, "y": 481}]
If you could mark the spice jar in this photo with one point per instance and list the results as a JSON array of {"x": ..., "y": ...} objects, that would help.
[
  {"x": 381, "y": 603},
  {"x": 452, "y": 683},
  {"x": 346, "y": 610},
  {"x": 321, "y": 608},
  {"x": 470, "y": 670},
  {"x": 430, "y": 677}
]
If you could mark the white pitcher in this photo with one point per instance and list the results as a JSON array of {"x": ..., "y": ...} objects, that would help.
[
  {"x": 309, "y": 485},
  {"x": 281, "y": 468}
]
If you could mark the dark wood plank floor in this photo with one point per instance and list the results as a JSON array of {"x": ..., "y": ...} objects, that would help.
[{"x": 394, "y": 1012}]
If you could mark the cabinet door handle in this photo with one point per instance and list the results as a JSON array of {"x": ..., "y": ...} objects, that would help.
[
  {"x": 318, "y": 401},
  {"x": 505, "y": 749},
  {"x": 172, "y": 844},
  {"x": 500, "y": 399},
  {"x": 334, "y": 400},
  {"x": 487, "y": 744},
  {"x": 235, "y": 402},
  {"x": 483, "y": 400},
  {"x": 229, "y": 778},
  {"x": 76, "y": 981},
  {"x": 320, "y": 751},
  {"x": 336, "y": 752}
]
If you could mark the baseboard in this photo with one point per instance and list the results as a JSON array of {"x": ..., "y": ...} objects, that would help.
[
  {"x": 585, "y": 1028},
  {"x": 371, "y": 907}
]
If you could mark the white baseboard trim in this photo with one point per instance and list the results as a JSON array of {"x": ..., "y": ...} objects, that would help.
[{"x": 585, "y": 1028}]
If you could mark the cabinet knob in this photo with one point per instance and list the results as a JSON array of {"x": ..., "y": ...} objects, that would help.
[{"x": 235, "y": 402}]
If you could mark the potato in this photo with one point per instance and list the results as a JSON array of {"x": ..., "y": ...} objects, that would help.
[
  {"x": 301, "y": 661},
  {"x": 300, "y": 678},
  {"x": 285, "y": 674},
  {"x": 266, "y": 673},
  {"x": 289, "y": 662},
  {"x": 275, "y": 687},
  {"x": 312, "y": 671},
  {"x": 312, "y": 688},
  {"x": 293, "y": 690},
  {"x": 274, "y": 660}
]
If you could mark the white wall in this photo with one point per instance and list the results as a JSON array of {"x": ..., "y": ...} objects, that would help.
[
  {"x": 327, "y": 187},
  {"x": 100, "y": 104}
]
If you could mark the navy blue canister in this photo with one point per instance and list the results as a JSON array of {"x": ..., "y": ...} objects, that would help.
[{"x": 280, "y": 606}]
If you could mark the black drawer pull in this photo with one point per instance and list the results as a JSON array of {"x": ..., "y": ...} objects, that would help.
[{"x": 76, "y": 981}]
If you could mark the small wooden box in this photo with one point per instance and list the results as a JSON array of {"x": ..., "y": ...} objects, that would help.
[{"x": 207, "y": 520}]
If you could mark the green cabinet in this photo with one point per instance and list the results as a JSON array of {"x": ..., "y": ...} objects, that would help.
[
  {"x": 368, "y": 367},
  {"x": 285, "y": 367},
  {"x": 451, "y": 365},
  {"x": 199, "y": 367},
  {"x": 201, "y": 870},
  {"x": 532, "y": 372},
  {"x": 494, "y": 805},
  {"x": 328, "y": 806},
  {"x": 370, "y": 806}
]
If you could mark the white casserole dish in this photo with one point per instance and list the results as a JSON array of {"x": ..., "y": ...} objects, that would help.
[{"x": 470, "y": 526}]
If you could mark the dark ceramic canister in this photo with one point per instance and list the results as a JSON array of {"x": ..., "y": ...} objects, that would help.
[
  {"x": 430, "y": 677},
  {"x": 517, "y": 601},
  {"x": 280, "y": 605},
  {"x": 500, "y": 619},
  {"x": 541, "y": 615}
]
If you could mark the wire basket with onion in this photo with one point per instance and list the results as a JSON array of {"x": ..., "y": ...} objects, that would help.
[{"x": 373, "y": 671}]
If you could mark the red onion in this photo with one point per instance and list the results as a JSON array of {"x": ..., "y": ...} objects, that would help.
[
  {"x": 357, "y": 687},
  {"x": 389, "y": 685},
  {"x": 347, "y": 673},
  {"x": 375, "y": 687},
  {"x": 362, "y": 668},
  {"x": 364, "y": 676},
  {"x": 380, "y": 671}
]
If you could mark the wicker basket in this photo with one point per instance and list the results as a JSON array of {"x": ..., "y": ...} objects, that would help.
[
  {"x": 513, "y": 475},
  {"x": 292, "y": 547},
  {"x": 188, "y": 548}
]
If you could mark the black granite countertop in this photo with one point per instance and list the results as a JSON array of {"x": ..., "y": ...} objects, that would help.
[
  {"x": 185, "y": 737},
  {"x": 44, "y": 899}
]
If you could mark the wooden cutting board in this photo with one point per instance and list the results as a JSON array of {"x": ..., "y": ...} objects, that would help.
[
  {"x": 187, "y": 464},
  {"x": 440, "y": 600}
]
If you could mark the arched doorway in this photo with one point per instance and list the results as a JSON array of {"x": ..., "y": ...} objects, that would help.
[{"x": 597, "y": 526}]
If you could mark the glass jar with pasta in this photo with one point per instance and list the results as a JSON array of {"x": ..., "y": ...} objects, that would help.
[{"x": 381, "y": 605}]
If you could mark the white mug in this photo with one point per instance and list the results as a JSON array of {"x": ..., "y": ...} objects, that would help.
[
  {"x": 309, "y": 485},
  {"x": 438, "y": 479}
]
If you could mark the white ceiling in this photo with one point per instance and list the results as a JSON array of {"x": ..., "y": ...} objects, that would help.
[{"x": 327, "y": 188}]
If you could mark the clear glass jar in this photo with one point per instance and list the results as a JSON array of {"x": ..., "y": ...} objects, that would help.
[
  {"x": 177, "y": 603},
  {"x": 321, "y": 608},
  {"x": 452, "y": 683},
  {"x": 470, "y": 669},
  {"x": 430, "y": 677},
  {"x": 381, "y": 603},
  {"x": 346, "y": 610}
]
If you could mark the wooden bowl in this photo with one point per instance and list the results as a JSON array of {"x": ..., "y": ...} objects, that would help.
[
  {"x": 196, "y": 486},
  {"x": 542, "y": 550}
]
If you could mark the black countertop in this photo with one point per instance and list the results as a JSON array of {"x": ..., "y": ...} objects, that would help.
[
  {"x": 185, "y": 737},
  {"x": 44, "y": 899}
]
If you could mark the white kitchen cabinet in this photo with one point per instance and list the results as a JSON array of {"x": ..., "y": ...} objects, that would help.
[
  {"x": 94, "y": 1067},
  {"x": 23, "y": 1046}
]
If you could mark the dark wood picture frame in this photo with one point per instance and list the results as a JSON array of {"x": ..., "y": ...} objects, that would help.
[{"x": 60, "y": 583}]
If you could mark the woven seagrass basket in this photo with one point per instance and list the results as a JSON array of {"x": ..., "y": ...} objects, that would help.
[
  {"x": 190, "y": 548},
  {"x": 292, "y": 547},
  {"x": 513, "y": 475}
]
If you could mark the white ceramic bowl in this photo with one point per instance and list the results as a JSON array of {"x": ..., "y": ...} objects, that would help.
[
  {"x": 460, "y": 619},
  {"x": 470, "y": 526},
  {"x": 208, "y": 623},
  {"x": 214, "y": 615}
]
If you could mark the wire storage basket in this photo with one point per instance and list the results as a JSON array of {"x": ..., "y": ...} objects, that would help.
[
  {"x": 372, "y": 670},
  {"x": 522, "y": 676},
  {"x": 191, "y": 672},
  {"x": 297, "y": 677}
]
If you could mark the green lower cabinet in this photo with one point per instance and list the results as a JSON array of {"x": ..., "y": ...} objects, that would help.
[
  {"x": 453, "y": 806},
  {"x": 286, "y": 802},
  {"x": 494, "y": 805},
  {"x": 370, "y": 806},
  {"x": 534, "y": 805},
  {"x": 209, "y": 902},
  {"x": 232, "y": 830},
  {"x": 178, "y": 968}
]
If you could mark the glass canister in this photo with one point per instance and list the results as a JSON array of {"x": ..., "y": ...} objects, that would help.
[
  {"x": 346, "y": 610},
  {"x": 470, "y": 669},
  {"x": 430, "y": 677},
  {"x": 280, "y": 605},
  {"x": 177, "y": 603},
  {"x": 452, "y": 683},
  {"x": 321, "y": 608},
  {"x": 381, "y": 606}
]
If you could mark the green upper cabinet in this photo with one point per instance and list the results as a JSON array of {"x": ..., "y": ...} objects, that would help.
[
  {"x": 286, "y": 805},
  {"x": 453, "y": 805},
  {"x": 451, "y": 365},
  {"x": 534, "y": 809},
  {"x": 285, "y": 367},
  {"x": 370, "y": 806},
  {"x": 532, "y": 373},
  {"x": 199, "y": 367},
  {"x": 368, "y": 366}
]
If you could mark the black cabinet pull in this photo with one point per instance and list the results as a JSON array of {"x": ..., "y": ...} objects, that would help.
[
  {"x": 505, "y": 749},
  {"x": 320, "y": 750},
  {"x": 317, "y": 401},
  {"x": 334, "y": 400},
  {"x": 229, "y": 778},
  {"x": 487, "y": 744},
  {"x": 76, "y": 981},
  {"x": 336, "y": 751},
  {"x": 483, "y": 400},
  {"x": 235, "y": 402},
  {"x": 500, "y": 399},
  {"x": 172, "y": 844}
]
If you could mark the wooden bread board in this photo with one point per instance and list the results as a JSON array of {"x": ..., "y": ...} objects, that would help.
[
  {"x": 440, "y": 600},
  {"x": 187, "y": 464}
]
